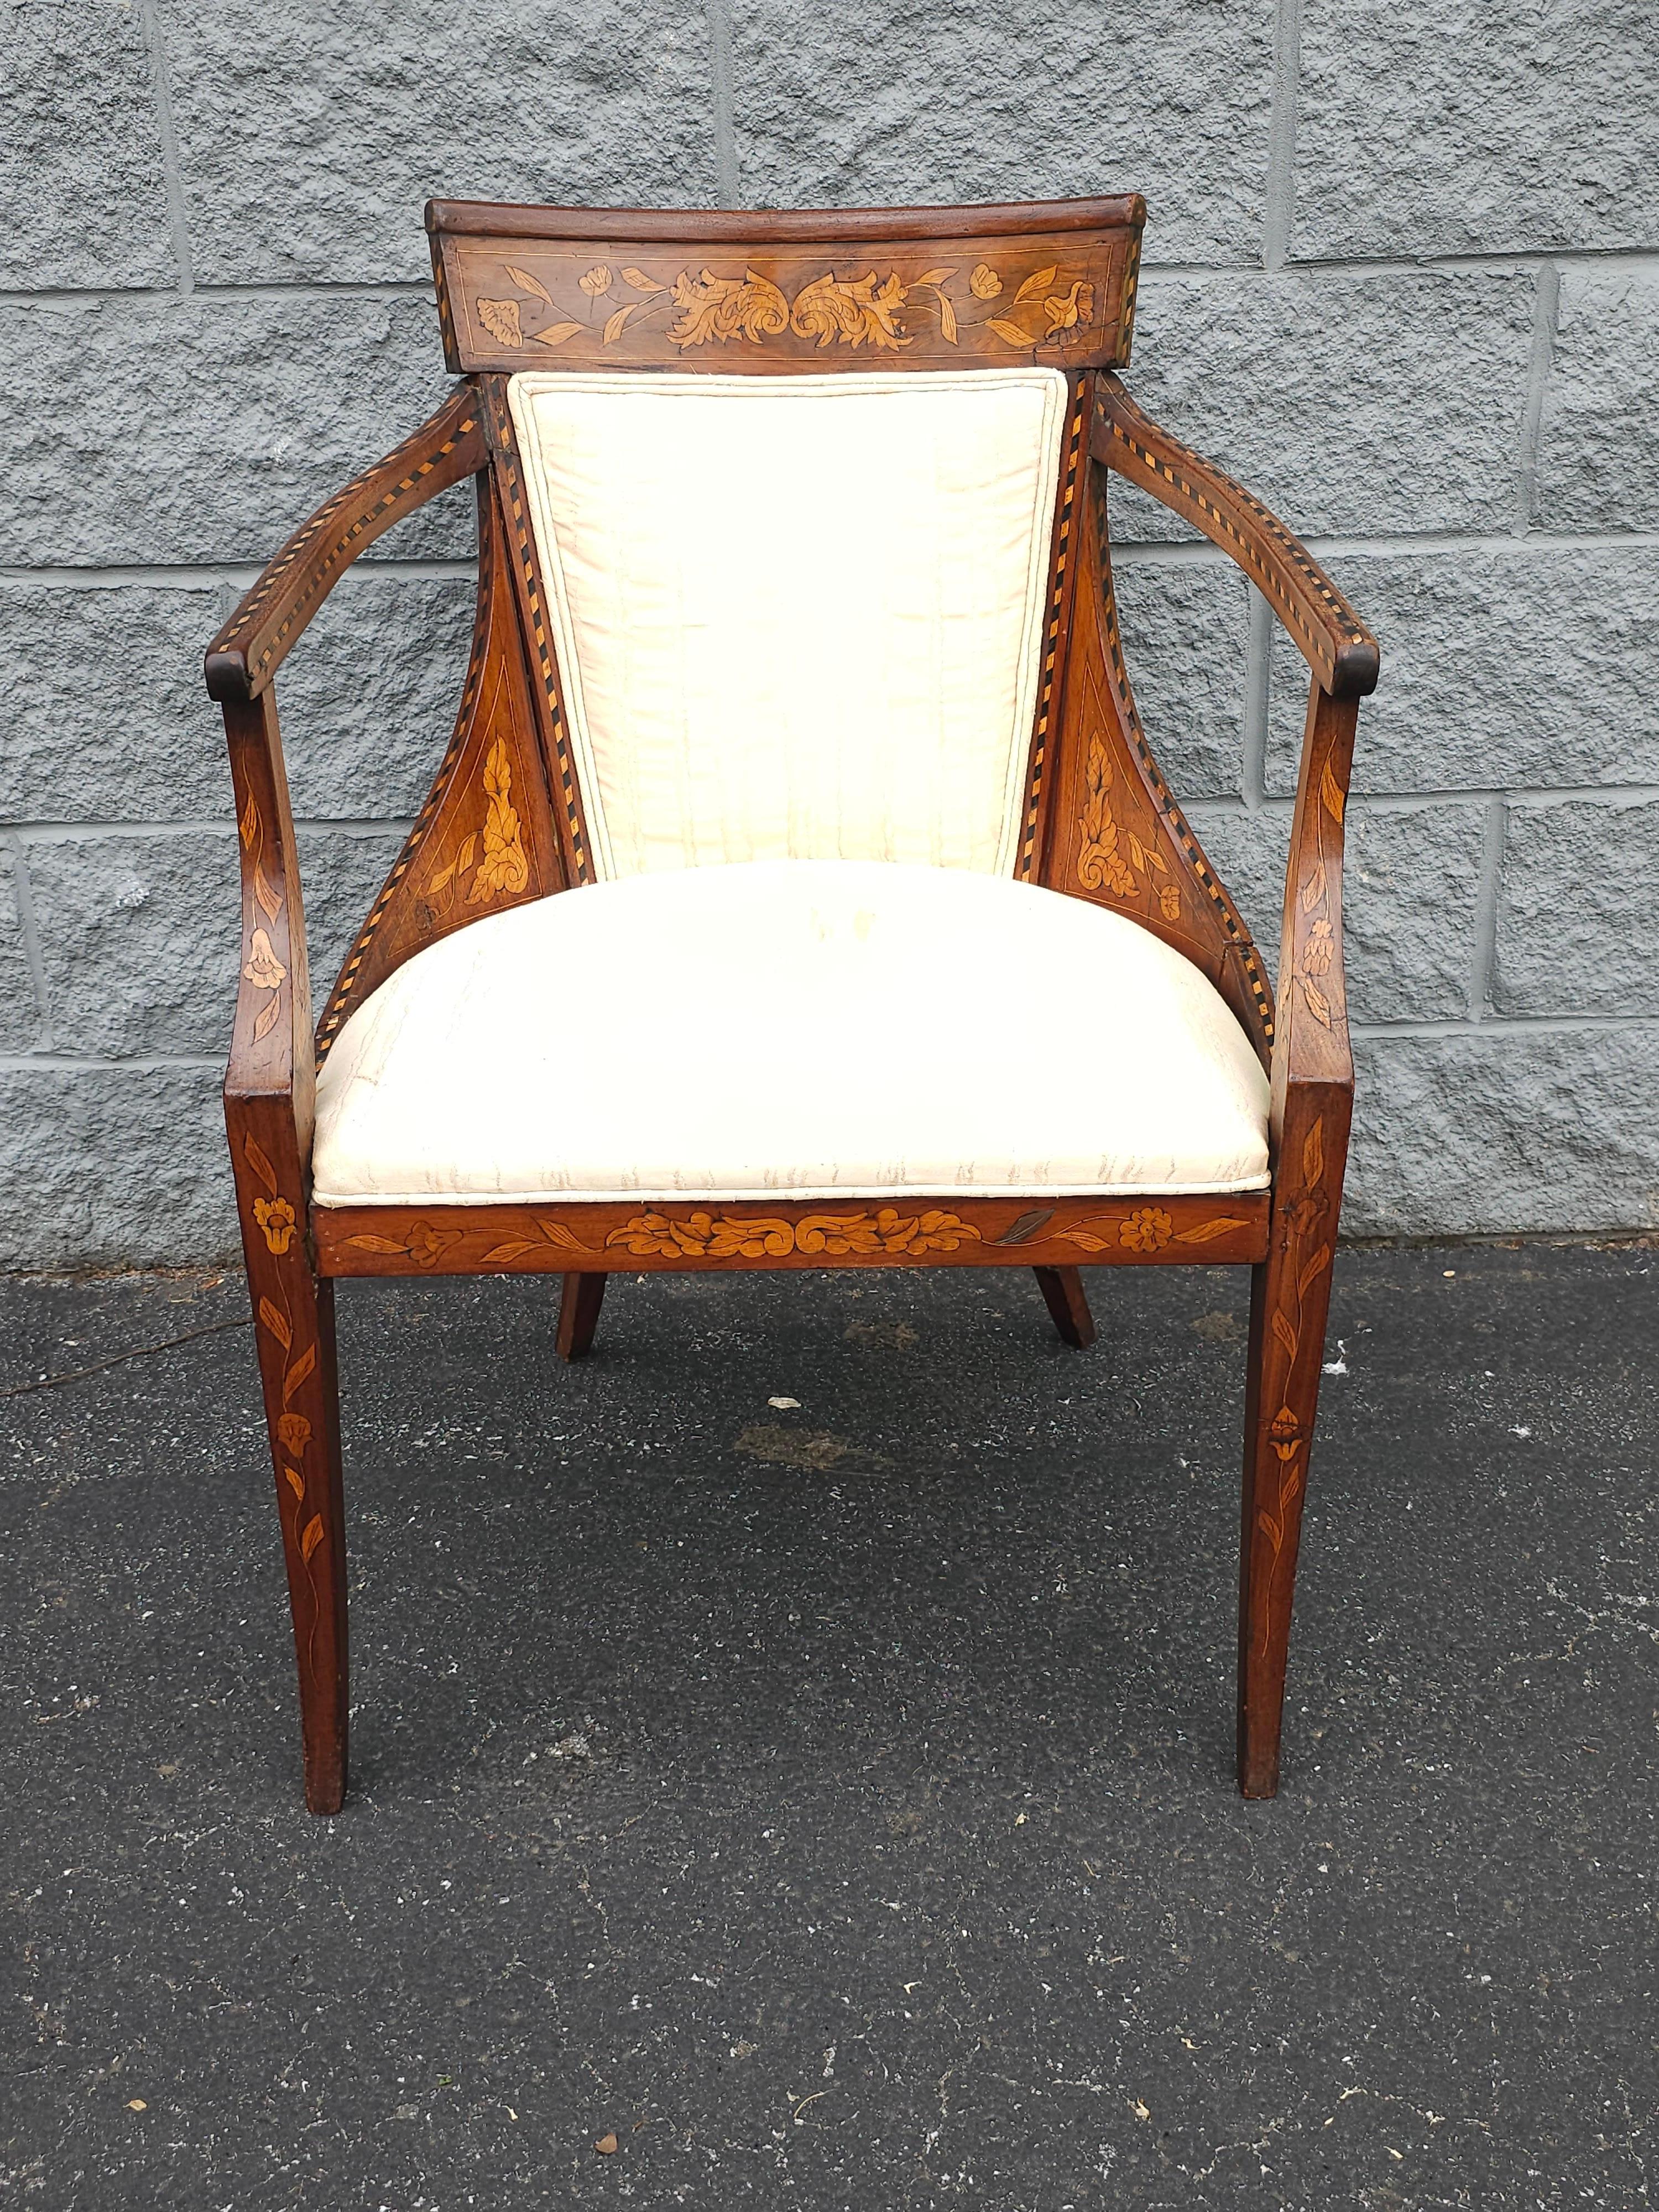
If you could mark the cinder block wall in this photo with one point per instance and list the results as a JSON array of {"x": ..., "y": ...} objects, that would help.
[{"x": 1403, "y": 279}]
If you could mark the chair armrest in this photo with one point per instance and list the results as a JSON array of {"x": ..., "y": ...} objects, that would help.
[
  {"x": 1334, "y": 642},
  {"x": 271, "y": 1081},
  {"x": 246, "y": 655}
]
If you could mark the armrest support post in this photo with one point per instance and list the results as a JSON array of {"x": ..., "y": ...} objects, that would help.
[
  {"x": 1310, "y": 1044},
  {"x": 271, "y": 1055}
]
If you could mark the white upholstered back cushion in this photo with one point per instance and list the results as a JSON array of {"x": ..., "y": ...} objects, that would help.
[{"x": 796, "y": 616}]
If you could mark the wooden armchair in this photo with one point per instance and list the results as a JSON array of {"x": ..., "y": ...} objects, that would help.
[{"x": 796, "y": 658}]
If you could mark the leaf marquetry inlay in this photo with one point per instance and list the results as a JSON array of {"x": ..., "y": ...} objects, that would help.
[
  {"x": 262, "y": 967},
  {"x": 277, "y": 1221},
  {"x": 1061, "y": 296},
  {"x": 701, "y": 1235},
  {"x": 595, "y": 1235},
  {"x": 698, "y": 307},
  {"x": 493, "y": 856}
]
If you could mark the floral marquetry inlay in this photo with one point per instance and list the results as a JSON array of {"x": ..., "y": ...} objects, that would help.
[
  {"x": 1061, "y": 297},
  {"x": 1146, "y": 1229},
  {"x": 699, "y": 307},
  {"x": 277, "y": 1222},
  {"x": 262, "y": 967},
  {"x": 717, "y": 1236},
  {"x": 275, "y": 1218},
  {"x": 602, "y": 1235},
  {"x": 491, "y": 860},
  {"x": 709, "y": 1237},
  {"x": 1109, "y": 854}
]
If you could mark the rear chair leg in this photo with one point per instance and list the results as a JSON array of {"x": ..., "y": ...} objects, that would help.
[
  {"x": 579, "y": 1314},
  {"x": 1063, "y": 1295},
  {"x": 1290, "y": 1299}
]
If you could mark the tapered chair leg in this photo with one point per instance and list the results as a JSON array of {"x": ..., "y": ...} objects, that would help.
[
  {"x": 579, "y": 1301},
  {"x": 1063, "y": 1295},
  {"x": 1290, "y": 1299},
  {"x": 294, "y": 1315}
]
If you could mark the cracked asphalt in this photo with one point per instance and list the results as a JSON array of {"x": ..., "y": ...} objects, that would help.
[{"x": 792, "y": 1750}]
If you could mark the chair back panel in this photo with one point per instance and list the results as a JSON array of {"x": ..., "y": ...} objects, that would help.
[
  {"x": 520, "y": 288},
  {"x": 797, "y": 619}
]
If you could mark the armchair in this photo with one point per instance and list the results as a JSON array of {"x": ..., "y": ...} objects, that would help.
[{"x": 796, "y": 706}]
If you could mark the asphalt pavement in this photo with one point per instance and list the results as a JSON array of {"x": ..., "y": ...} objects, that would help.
[{"x": 793, "y": 1752}]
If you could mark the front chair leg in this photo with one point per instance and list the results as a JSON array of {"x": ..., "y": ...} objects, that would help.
[
  {"x": 294, "y": 1327},
  {"x": 1290, "y": 1298},
  {"x": 1068, "y": 1307},
  {"x": 579, "y": 1301}
]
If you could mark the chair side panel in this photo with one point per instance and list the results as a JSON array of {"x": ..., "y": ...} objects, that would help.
[
  {"x": 1115, "y": 834},
  {"x": 485, "y": 837},
  {"x": 1051, "y": 286}
]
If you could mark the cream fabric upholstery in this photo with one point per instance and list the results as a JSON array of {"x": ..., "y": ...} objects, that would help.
[
  {"x": 807, "y": 1027},
  {"x": 796, "y": 616}
]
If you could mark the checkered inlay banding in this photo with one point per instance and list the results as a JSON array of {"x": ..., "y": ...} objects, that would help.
[
  {"x": 1125, "y": 308},
  {"x": 1062, "y": 544},
  {"x": 507, "y": 453}
]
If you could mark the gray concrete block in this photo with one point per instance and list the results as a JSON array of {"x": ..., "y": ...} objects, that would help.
[
  {"x": 1498, "y": 668},
  {"x": 81, "y": 176},
  {"x": 1411, "y": 889},
  {"x": 1598, "y": 453},
  {"x": 340, "y": 871},
  {"x": 1351, "y": 404},
  {"x": 21, "y": 1028},
  {"x": 102, "y": 713},
  {"x": 918, "y": 104},
  {"x": 138, "y": 940},
  {"x": 103, "y": 717},
  {"x": 367, "y": 698},
  {"x": 1475, "y": 130},
  {"x": 311, "y": 136},
  {"x": 1474, "y": 1133},
  {"x": 113, "y": 1168},
  {"x": 1186, "y": 636},
  {"x": 1575, "y": 928},
  {"x": 1411, "y": 886},
  {"x": 1137, "y": 518},
  {"x": 1247, "y": 850},
  {"x": 205, "y": 430},
  {"x": 139, "y": 935}
]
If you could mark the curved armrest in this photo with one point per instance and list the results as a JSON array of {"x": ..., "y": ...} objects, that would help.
[
  {"x": 247, "y": 651},
  {"x": 1334, "y": 642}
]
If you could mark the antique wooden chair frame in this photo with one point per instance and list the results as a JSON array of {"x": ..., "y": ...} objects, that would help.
[{"x": 1050, "y": 283}]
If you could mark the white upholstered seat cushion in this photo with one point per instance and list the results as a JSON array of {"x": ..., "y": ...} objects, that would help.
[
  {"x": 799, "y": 616},
  {"x": 796, "y": 1028}
]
